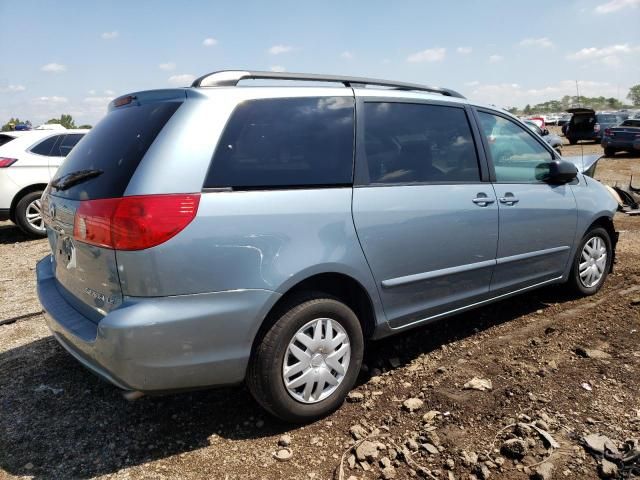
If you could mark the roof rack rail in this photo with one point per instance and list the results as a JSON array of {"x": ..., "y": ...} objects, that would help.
[{"x": 230, "y": 78}]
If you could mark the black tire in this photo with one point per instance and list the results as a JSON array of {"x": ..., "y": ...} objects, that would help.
[
  {"x": 572, "y": 141},
  {"x": 609, "y": 152},
  {"x": 574, "y": 282},
  {"x": 20, "y": 215},
  {"x": 264, "y": 376}
]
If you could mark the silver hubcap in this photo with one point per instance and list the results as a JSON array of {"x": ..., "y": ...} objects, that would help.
[
  {"x": 34, "y": 215},
  {"x": 316, "y": 361},
  {"x": 593, "y": 261}
]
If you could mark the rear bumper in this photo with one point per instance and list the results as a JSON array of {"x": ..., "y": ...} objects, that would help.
[
  {"x": 621, "y": 144},
  {"x": 160, "y": 344}
]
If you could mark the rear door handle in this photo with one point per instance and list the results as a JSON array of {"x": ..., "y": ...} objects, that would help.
[
  {"x": 483, "y": 201},
  {"x": 509, "y": 200}
]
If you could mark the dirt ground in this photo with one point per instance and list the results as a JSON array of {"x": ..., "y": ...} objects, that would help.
[{"x": 563, "y": 365}]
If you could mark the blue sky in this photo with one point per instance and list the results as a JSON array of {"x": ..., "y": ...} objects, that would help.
[{"x": 73, "y": 57}]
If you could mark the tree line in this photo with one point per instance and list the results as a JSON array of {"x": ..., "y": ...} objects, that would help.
[
  {"x": 568, "y": 101},
  {"x": 551, "y": 106},
  {"x": 65, "y": 120}
]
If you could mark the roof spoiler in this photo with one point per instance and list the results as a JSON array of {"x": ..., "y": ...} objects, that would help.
[{"x": 230, "y": 78}]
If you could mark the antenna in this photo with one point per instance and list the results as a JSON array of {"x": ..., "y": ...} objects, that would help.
[{"x": 581, "y": 145}]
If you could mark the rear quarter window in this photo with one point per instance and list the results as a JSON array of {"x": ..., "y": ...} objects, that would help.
[
  {"x": 281, "y": 143},
  {"x": 115, "y": 146},
  {"x": 45, "y": 147},
  {"x": 4, "y": 139}
]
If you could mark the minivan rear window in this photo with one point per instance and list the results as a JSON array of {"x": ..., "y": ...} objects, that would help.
[
  {"x": 115, "y": 146},
  {"x": 286, "y": 143}
]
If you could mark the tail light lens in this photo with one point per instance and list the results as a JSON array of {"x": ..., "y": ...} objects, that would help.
[
  {"x": 7, "y": 162},
  {"x": 596, "y": 127},
  {"x": 607, "y": 131},
  {"x": 134, "y": 223}
]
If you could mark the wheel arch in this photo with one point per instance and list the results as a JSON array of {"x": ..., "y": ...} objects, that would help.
[
  {"x": 606, "y": 222},
  {"x": 339, "y": 285},
  {"x": 26, "y": 190}
]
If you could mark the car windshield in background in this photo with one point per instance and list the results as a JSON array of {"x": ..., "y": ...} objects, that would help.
[
  {"x": 115, "y": 146},
  {"x": 608, "y": 119},
  {"x": 631, "y": 123}
]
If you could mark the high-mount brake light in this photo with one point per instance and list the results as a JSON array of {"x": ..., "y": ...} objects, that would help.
[
  {"x": 136, "y": 222},
  {"x": 119, "y": 102},
  {"x": 7, "y": 162}
]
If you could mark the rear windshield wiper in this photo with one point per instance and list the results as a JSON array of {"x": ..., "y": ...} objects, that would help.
[{"x": 70, "y": 179}]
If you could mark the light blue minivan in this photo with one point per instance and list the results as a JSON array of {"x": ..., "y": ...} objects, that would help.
[{"x": 243, "y": 230}]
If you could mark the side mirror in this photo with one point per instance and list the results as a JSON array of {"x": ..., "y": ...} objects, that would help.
[
  {"x": 545, "y": 132},
  {"x": 557, "y": 172}
]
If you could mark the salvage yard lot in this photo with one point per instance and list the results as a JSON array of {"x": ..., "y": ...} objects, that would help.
[{"x": 59, "y": 421}]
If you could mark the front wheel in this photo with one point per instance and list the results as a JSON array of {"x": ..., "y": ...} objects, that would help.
[
  {"x": 609, "y": 152},
  {"x": 28, "y": 215},
  {"x": 308, "y": 360},
  {"x": 572, "y": 141},
  {"x": 592, "y": 262}
]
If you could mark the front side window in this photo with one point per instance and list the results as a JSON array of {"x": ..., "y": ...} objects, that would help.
[
  {"x": 418, "y": 143},
  {"x": 286, "y": 142},
  {"x": 63, "y": 148},
  {"x": 517, "y": 156}
]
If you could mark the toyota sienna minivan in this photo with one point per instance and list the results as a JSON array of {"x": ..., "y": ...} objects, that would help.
[{"x": 236, "y": 231}]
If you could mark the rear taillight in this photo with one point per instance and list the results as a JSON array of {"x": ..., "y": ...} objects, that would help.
[
  {"x": 607, "y": 131},
  {"x": 134, "y": 223},
  {"x": 7, "y": 162},
  {"x": 596, "y": 127}
]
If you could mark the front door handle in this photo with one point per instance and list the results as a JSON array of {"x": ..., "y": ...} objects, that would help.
[
  {"x": 509, "y": 199},
  {"x": 482, "y": 200}
]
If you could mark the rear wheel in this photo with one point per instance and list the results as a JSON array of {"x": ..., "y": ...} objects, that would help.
[
  {"x": 609, "y": 152},
  {"x": 592, "y": 262},
  {"x": 28, "y": 215},
  {"x": 572, "y": 141},
  {"x": 308, "y": 360}
]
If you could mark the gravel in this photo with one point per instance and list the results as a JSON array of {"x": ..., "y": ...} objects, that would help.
[{"x": 60, "y": 421}]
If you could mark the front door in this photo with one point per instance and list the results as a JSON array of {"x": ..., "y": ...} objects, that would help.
[
  {"x": 537, "y": 220},
  {"x": 427, "y": 223}
]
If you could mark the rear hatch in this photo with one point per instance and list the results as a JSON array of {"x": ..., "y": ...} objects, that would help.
[
  {"x": 582, "y": 121},
  {"x": 98, "y": 168}
]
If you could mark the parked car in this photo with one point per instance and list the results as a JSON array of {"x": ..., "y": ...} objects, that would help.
[
  {"x": 586, "y": 124},
  {"x": 551, "y": 119},
  {"x": 539, "y": 121},
  {"x": 563, "y": 120},
  {"x": 28, "y": 160},
  {"x": 625, "y": 137},
  {"x": 553, "y": 140},
  {"x": 231, "y": 234}
]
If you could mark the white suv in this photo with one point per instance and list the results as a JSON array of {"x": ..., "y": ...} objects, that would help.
[{"x": 28, "y": 160}]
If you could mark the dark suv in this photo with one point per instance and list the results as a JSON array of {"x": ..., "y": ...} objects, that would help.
[{"x": 586, "y": 124}]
